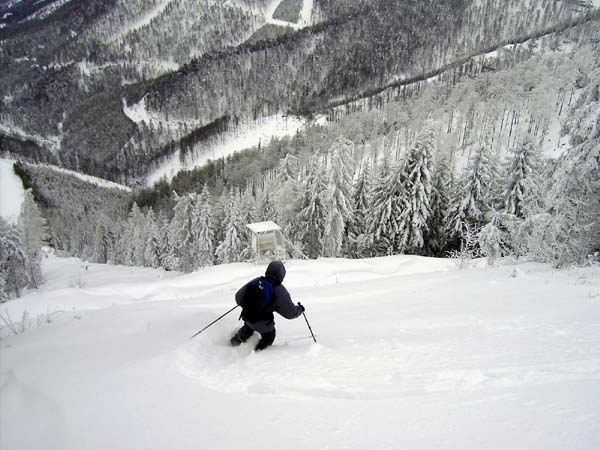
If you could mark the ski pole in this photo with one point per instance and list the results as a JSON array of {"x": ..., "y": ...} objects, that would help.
[
  {"x": 311, "y": 331},
  {"x": 214, "y": 321}
]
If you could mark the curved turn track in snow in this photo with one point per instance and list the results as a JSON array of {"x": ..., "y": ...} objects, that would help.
[{"x": 411, "y": 353}]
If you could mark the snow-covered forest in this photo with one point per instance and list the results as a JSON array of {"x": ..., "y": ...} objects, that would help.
[
  {"x": 503, "y": 164},
  {"x": 208, "y": 71}
]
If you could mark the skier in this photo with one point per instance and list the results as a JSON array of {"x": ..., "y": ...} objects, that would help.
[{"x": 280, "y": 302}]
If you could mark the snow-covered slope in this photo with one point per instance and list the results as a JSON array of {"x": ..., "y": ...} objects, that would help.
[
  {"x": 11, "y": 192},
  {"x": 411, "y": 353},
  {"x": 246, "y": 136},
  {"x": 88, "y": 178}
]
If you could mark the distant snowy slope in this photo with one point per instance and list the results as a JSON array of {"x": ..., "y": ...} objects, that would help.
[
  {"x": 88, "y": 178},
  {"x": 411, "y": 353},
  {"x": 246, "y": 136},
  {"x": 11, "y": 192}
]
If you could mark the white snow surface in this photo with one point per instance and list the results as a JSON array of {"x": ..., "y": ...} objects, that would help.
[
  {"x": 246, "y": 136},
  {"x": 137, "y": 112},
  {"x": 262, "y": 227},
  {"x": 11, "y": 192},
  {"x": 305, "y": 15},
  {"x": 412, "y": 353}
]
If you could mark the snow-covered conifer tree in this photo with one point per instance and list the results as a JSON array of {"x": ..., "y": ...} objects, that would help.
[
  {"x": 266, "y": 202},
  {"x": 387, "y": 197},
  {"x": 492, "y": 239},
  {"x": 416, "y": 213},
  {"x": 33, "y": 231},
  {"x": 220, "y": 210},
  {"x": 235, "y": 245},
  {"x": 132, "y": 241},
  {"x": 152, "y": 250},
  {"x": 475, "y": 199},
  {"x": 359, "y": 240},
  {"x": 437, "y": 235},
  {"x": 286, "y": 196},
  {"x": 573, "y": 202},
  {"x": 13, "y": 262},
  {"x": 204, "y": 236},
  {"x": 101, "y": 250},
  {"x": 521, "y": 181},
  {"x": 312, "y": 215},
  {"x": 167, "y": 251},
  {"x": 337, "y": 197},
  {"x": 182, "y": 231}
]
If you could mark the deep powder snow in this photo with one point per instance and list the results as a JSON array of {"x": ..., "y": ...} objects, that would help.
[{"x": 411, "y": 353}]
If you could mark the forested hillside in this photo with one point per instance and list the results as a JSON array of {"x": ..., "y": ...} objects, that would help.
[
  {"x": 502, "y": 163},
  {"x": 75, "y": 66},
  {"x": 480, "y": 138}
]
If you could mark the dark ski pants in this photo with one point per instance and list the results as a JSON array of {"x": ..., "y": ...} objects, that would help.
[{"x": 244, "y": 333}]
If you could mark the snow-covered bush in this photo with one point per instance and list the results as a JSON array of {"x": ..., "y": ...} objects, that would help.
[
  {"x": 469, "y": 247},
  {"x": 13, "y": 262},
  {"x": 492, "y": 240}
]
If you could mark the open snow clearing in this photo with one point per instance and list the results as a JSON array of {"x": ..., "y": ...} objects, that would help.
[{"x": 411, "y": 353}]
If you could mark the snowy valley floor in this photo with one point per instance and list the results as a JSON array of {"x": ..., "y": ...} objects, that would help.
[{"x": 412, "y": 353}]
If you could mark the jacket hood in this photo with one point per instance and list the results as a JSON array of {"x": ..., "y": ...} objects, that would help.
[{"x": 275, "y": 272}]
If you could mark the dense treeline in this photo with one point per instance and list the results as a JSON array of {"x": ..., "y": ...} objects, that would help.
[
  {"x": 73, "y": 207},
  {"x": 21, "y": 250},
  {"x": 461, "y": 171}
]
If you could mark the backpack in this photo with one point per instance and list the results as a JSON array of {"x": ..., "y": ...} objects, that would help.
[{"x": 256, "y": 300}]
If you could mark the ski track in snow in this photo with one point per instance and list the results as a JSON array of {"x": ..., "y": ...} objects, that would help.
[{"x": 411, "y": 353}]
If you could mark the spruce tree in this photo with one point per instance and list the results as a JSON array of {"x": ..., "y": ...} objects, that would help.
[
  {"x": 387, "y": 205},
  {"x": 152, "y": 250},
  {"x": 525, "y": 164},
  {"x": 234, "y": 246},
  {"x": 101, "y": 251},
  {"x": 337, "y": 196},
  {"x": 573, "y": 201},
  {"x": 203, "y": 233},
  {"x": 286, "y": 196},
  {"x": 475, "y": 199},
  {"x": 437, "y": 235},
  {"x": 33, "y": 231},
  {"x": 417, "y": 191},
  {"x": 359, "y": 240},
  {"x": 182, "y": 231},
  {"x": 312, "y": 215},
  {"x": 13, "y": 262},
  {"x": 167, "y": 245}
]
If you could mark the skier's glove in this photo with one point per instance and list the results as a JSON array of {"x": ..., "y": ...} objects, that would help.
[{"x": 302, "y": 308}]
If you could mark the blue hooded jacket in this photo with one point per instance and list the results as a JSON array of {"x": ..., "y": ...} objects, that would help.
[{"x": 281, "y": 302}]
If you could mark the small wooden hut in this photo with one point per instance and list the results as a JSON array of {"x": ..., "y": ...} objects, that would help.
[{"x": 267, "y": 240}]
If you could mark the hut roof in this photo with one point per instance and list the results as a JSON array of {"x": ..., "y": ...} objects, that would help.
[{"x": 263, "y": 227}]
